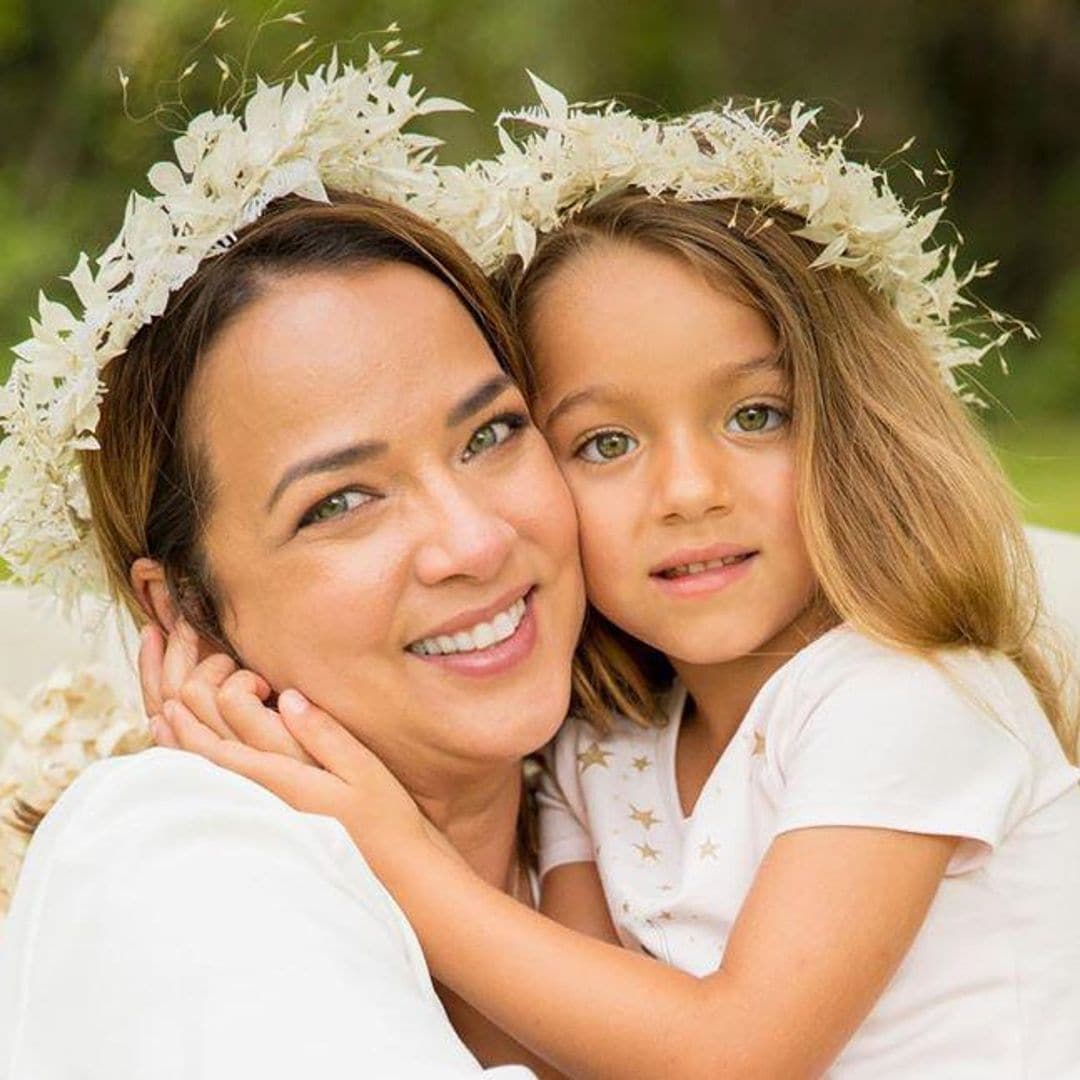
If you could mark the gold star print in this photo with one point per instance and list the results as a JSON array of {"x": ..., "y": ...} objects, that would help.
[
  {"x": 648, "y": 853},
  {"x": 759, "y": 745},
  {"x": 593, "y": 756},
  {"x": 645, "y": 818},
  {"x": 707, "y": 850},
  {"x": 641, "y": 763}
]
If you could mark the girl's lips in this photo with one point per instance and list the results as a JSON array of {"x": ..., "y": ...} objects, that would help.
[
  {"x": 496, "y": 659},
  {"x": 705, "y": 581}
]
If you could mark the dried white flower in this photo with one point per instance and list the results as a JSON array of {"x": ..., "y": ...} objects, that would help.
[{"x": 74, "y": 718}]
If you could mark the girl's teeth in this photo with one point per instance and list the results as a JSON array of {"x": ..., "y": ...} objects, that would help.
[
  {"x": 481, "y": 636},
  {"x": 700, "y": 567}
]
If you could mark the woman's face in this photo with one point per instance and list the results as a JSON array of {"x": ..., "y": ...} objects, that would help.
[{"x": 388, "y": 532}]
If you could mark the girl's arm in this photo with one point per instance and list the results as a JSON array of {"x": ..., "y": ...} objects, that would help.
[
  {"x": 230, "y": 702},
  {"x": 829, "y": 918}
]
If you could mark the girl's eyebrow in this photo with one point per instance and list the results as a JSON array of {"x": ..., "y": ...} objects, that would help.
[
  {"x": 608, "y": 393},
  {"x": 601, "y": 392},
  {"x": 754, "y": 366}
]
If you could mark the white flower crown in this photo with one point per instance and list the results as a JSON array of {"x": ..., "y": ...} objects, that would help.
[{"x": 342, "y": 127}]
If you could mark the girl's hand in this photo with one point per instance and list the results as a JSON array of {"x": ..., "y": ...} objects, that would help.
[
  {"x": 225, "y": 698},
  {"x": 344, "y": 780}
]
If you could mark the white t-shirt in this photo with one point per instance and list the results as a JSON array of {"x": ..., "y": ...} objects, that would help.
[
  {"x": 174, "y": 921},
  {"x": 850, "y": 732}
]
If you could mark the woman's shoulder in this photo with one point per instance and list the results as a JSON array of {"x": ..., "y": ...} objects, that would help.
[
  {"x": 138, "y": 788},
  {"x": 152, "y": 827}
]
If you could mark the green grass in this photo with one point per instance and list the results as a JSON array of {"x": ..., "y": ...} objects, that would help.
[{"x": 1042, "y": 458}]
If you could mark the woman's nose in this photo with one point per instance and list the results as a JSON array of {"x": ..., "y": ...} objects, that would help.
[
  {"x": 692, "y": 479},
  {"x": 466, "y": 538}
]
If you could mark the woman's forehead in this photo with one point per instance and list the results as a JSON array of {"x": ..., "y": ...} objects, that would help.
[{"x": 367, "y": 352}]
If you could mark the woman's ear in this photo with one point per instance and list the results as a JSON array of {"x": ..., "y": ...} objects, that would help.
[{"x": 152, "y": 590}]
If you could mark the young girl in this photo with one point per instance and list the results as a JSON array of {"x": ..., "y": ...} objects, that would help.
[{"x": 814, "y": 768}]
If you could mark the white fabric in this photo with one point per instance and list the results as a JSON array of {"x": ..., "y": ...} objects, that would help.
[
  {"x": 176, "y": 922},
  {"x": 850, "y": 732}
]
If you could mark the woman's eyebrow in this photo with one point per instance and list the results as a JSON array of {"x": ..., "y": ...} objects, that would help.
[
  {"x": 476, "y": 399},
  {"x": 353, "y": 454}
]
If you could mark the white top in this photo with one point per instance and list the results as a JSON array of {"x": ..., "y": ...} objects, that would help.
[
  {"x": 176, "y": 921},
  {"x": 849, "y": 732}
]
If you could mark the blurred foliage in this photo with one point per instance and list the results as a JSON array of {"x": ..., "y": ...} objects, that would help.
[{"x": 991, "y": 84}]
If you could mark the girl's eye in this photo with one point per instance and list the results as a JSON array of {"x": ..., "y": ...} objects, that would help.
[
  {"x": 334, "y": 506},
  {"x": 752, "y": 419},
  {"x": 607, "y": 446},
  {"x": 493, "y": 433}
]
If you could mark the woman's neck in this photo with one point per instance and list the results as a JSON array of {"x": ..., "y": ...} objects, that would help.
[{"x": 478, "y": 813}]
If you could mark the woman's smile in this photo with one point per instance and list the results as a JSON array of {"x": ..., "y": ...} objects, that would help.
[{"x": 485, "y": 647}]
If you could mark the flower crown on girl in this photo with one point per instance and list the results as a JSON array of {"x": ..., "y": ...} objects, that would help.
[{"x": 342, "y": 127}]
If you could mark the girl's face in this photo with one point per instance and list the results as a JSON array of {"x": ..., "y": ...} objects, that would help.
[
  {"x": 663, "y": 401},
  {"x": 388, "y": 532}
]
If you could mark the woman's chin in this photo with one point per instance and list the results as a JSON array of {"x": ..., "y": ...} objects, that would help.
[{"x": 515, "y": 731}]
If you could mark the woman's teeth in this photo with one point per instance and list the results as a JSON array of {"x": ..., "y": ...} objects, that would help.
[
  {"x": 481, "y": 636},
  {"x": 701, "y": 567}
]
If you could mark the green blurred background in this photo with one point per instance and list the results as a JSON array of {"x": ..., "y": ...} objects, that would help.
[{"x": 991, "y": 84}]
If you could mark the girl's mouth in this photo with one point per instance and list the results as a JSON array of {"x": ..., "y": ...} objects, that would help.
[
  {"x": 690, "y": 569},
  {"x": 702, "y": 577}
]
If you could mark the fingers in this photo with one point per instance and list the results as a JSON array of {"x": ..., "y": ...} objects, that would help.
[
  {"x": 162, "y": 732},
  {"x": 151, "y": 658},
  {"x": 200, "y": 692},
  {"x": 241, "y": 702},
  {"x": 328, "y": 743},
  {"x": 308, "y": 789},
  {"x": 180, "y": 660}
]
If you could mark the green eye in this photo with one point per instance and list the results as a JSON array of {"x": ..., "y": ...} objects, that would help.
[
  {"x": 334, "y": 506},
  {"x": 751, "y": 419},
  {"x": 493, "y": 433},
  {"x": 607, "y": 446}
]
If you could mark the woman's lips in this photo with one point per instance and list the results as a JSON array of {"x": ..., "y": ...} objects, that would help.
[
  {"x": 495, "y": 659},
  {"x": 712, "y": 576}
]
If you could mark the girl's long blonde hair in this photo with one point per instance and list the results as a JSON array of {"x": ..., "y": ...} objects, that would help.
[{"x": 911, "y": 526}]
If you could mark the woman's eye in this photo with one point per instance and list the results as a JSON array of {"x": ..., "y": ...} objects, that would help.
[
  {"x": 333, "y": 506},
  {"x": 493, "y": 433},
  {"x": 751, "y": 419},
  {"x": 607, "y": 446}
]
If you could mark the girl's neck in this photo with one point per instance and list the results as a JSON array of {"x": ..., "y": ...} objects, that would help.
[{"x": 722, "y": 693}]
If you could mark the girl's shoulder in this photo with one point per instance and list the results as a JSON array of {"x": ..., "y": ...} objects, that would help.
[
  {"x": 847, "y": 665},
  {"x": 850, "y": 712}
]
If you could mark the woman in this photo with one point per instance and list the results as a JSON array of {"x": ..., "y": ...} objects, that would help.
[{"x": 316, "y": 458}]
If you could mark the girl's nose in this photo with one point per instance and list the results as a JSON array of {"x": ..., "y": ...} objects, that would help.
[
  {"x": 466, "y": 538},
  {"x": 692, "y": 479}
]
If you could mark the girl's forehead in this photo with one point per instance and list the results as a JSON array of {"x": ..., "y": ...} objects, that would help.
[{"x": 626, "y": 316}]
